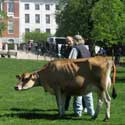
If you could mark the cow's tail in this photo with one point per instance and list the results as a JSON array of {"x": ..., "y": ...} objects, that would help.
[{"x": 114, "y": 93}]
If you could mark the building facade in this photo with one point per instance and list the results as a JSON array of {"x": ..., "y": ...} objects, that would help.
[
  {"x": 11, "y": 34},
  {"x": 27, "y": 16}
]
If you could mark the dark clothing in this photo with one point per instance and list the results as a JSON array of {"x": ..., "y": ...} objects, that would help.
[
  {"x": 83, "y": 52},
  {"x": 67, "y": 102},
  {"x": 117, "y": 54},
  {"x": 65, "y": 50}
]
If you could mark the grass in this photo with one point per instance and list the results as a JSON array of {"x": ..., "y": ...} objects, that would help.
[{"x": 35, "y": 107}]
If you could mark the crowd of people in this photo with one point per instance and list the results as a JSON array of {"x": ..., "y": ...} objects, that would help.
[{"x": 41, "y": 48}]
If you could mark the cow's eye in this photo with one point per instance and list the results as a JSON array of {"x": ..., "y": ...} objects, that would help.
[{"x": 25, "y": 79}]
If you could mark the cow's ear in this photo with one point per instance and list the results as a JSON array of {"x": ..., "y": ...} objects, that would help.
[
  {"x": 34, "y": 76},
  {"x": 18, "y": 76}
]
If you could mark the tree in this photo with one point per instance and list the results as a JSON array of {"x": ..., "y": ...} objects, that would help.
[
  {"x": 62, "y": 3},
  {"x": 3, "y": 16},
  {"x": 76, "y": 18},
  {"x": 98, "y": 20},
  {"x": 2, "y": 27},
  {"x": 35, "y": 36},
  {"x": 109, "y": 21}
]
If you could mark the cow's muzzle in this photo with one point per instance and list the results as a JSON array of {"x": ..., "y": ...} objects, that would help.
[{"x": 17, "y": 88}]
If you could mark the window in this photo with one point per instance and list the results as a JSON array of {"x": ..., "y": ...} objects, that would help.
[
  {"x": 11, "y": 26},
  {"x": 37, "y": 18},
  {"x": 27, "y": 7},
  {"x": 37, "y": 30},
  {"x": 48, "y": 30},
  {"x": 48, "y": 19},
  {"x": 27, "y": 30},
  {"x": 37, "y": 7},
  {"x": 47, "y": 7},
  {"x": 11, "y": 6},
  {"x": 27, "y": 18}
]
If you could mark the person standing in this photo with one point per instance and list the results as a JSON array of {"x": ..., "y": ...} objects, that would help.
[
  {"x": 66, "y": 48},
  {"x": 80, "y": 51}
]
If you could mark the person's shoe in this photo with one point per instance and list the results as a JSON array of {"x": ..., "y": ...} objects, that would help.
[
  {"x": 91, "y": 114},
  {"x": 78, "y": 114},
  {"x": 85, "y": 110}
]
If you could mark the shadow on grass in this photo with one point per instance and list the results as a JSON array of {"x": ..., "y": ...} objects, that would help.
[
  {"x": 118, "y": 71},
  {"x": 122, "y": 64},
  {"x": 119, "y": 79},
  {"x": 44, "y": 114},
  {"x": 32, "y": 110}
]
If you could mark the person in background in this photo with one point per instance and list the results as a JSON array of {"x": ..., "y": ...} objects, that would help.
[
  {"x": 80, "y": 51},
  {"x": 117, "y": 53},
  {"x": 70, "y": 43},
  {"x": 66, "y": 48}
]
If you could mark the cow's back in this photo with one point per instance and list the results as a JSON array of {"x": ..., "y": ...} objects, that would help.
[{"x": 74, "y": 76}]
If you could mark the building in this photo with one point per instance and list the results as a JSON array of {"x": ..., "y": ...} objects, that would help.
[
  {"x": 37, "y": 15},
  {"x": 11, "y": 34},
  {"x": 27, "y": 16}
]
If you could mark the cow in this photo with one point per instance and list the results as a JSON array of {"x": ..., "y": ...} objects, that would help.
[{"x": 73, "y": 77}]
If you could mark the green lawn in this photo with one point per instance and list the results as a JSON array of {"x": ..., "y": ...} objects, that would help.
[{"x": 35, "y": 107}]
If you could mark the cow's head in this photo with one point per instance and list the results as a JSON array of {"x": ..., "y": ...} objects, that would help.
[{"x": 26, "y": 81}]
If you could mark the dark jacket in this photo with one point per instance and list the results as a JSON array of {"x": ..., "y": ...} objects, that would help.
[{"x": 83, "y": 52}]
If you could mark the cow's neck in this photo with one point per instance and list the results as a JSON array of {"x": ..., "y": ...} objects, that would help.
[{"x": 38, "y": 79}]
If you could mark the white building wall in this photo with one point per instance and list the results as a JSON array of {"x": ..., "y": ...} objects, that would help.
[{"x": 42, "y": 25}]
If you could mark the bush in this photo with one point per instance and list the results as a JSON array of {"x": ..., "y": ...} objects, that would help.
[{"x": 11, "y": 46}]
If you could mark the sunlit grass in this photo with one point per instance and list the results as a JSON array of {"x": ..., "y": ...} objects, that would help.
[{"x": 35, "y": 107}]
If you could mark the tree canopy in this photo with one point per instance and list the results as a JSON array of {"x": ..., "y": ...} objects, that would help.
[
  {"x": 99, "y": 20},
  {"x": 3, "y": 15},
  {"x": 35, "y": 36},
  {"x": 75, "y": 18},
  {"x": 108, "y": 21},
  {"x": 2, "y": 24}
]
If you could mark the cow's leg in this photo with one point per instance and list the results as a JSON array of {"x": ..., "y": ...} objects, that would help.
[
  {"x": 108, "y": 87},
  {"x": 108, "y": 96},
  {"x": 60, "y": 98},
  {"x": 98, "y": 107},
  {"x": 63, "y": 103},
  {"x": 107, "y": 101}
]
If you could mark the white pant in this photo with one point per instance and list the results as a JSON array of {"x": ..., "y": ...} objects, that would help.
[{"x": 77, "y": 104}]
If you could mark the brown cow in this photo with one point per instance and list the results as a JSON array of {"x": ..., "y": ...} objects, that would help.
[{"x": 73, "y": 77}]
